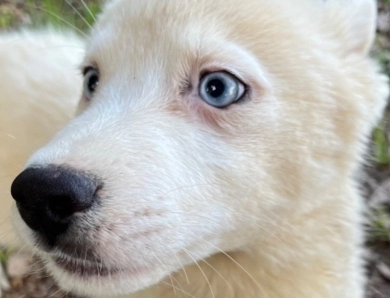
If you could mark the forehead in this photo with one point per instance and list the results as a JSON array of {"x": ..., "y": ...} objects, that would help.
[
  {"x": 170, "y": 28},
  {"x": 139, "y": 32}
]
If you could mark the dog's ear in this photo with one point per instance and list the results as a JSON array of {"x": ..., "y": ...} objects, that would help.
[{"x": 354, "y": 23}]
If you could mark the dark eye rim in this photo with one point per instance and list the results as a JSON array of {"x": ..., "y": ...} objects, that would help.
[
  {"x": 86, "y": 71},
  {"x": 89, "y": 68},
  {"x": 245, "y": 92}
]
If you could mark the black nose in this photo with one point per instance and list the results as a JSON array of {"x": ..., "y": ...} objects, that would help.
[{"x": 48, "y": 197}]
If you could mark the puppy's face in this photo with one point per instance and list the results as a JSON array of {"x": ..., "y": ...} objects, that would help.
[{"x": 205, "y": 125}]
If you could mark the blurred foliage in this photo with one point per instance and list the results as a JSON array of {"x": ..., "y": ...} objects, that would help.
[
  {"x": 5, "y": 253},
  {"x": 380, "y": 229},
  {"x": 382, "y": 149},
  {"x": 76, "y": 14}
]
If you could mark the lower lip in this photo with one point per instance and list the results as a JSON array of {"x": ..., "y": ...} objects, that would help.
[{"x": 81, "y": 269}]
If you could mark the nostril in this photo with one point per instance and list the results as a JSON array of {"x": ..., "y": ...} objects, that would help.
[
  {"x": 68, "y": 204},
  {"x": 62, "y": 206}
]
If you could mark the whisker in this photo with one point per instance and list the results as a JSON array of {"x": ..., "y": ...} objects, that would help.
[
  {"x": 181, "y": 290},
  {"x": 235, "y": 262},
  {"x": 89, "y": 11},
  {"x": 6, "y": 233},
  {"x": 204, "y": 274},
  {"x": 170, "y": 276},
  {"x": 77, "y": 11},
  {"x": 219, "y": 273},
  {"x": 184, "y": 269},
  {"x": 56, "y": 292},
  {"x": 58, "y": 17},
  {"x": 37, "y": 271},
  {"x": 21, "y": 249}
]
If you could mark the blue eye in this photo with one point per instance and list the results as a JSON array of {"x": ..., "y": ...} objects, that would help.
[
  {"x": 220, "y": 89},
  {"x": 91, "y": 82}
]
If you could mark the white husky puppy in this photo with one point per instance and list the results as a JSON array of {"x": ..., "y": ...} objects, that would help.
[{"x": 214, "y": 155}]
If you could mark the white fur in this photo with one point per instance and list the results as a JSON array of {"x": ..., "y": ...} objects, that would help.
[
  {"x": 257, "y": 200},
  {"x": 39, "y": 88}
]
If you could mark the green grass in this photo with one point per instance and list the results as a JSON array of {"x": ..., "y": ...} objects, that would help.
[
  {"x": 379, "y": 136},
  {"x": 4, "y": 255},
  {"x": 384, "y": 59},
  {"x": 64, "y": 13},
  {"x": 382, "y": 150},
  {"x": 7, "y": 18},
  {"x": 381, "y": 224},
  {"x": 57, "y": 13}
]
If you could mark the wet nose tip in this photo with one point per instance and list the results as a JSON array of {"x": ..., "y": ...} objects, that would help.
[{"x": 47, "y": 197}]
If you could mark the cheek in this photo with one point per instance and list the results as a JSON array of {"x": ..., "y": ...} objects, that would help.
[
  {"x": 225, "y": 122},
  {"x": 173, "y": 205}
]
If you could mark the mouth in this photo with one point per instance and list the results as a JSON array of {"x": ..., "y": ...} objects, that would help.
[
  {"x": 91, "y": 269},
  {"x": 96, "y": 279},
  {"x": 84, "y": 268}
]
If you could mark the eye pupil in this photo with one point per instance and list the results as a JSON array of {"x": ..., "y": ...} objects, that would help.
[
  {"x": 92, "y": 83},
  {"x": 215, "y": 88}
]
